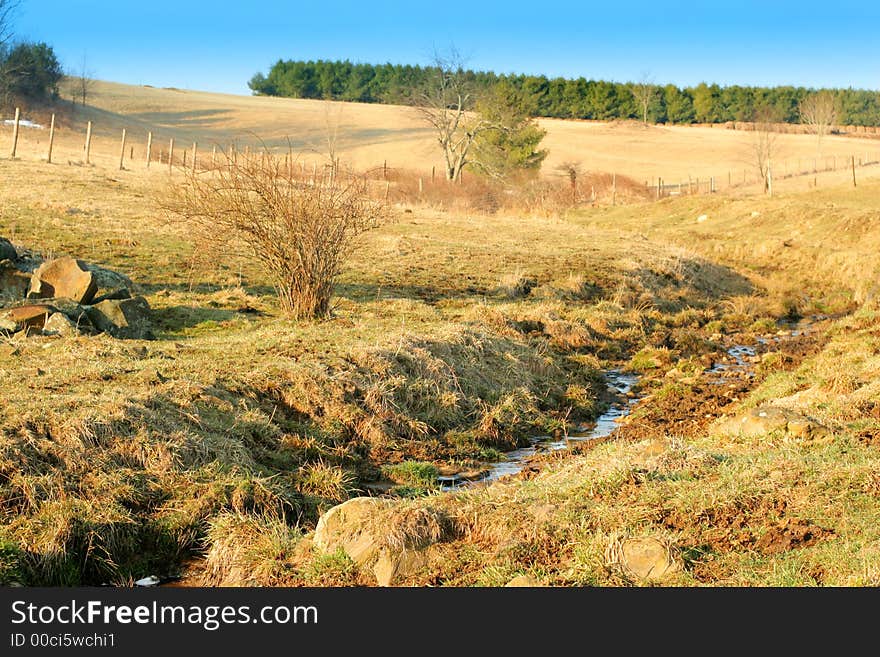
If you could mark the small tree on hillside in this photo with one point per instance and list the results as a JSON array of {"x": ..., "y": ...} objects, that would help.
[
  {"x": 83, "y": 82},
  {"x": 819, "y": 111},
  {"x": 301, "y": 233},
  {"x": 445, "y": 104},
  {"x": 644, "y": 92},
  {"x": 765, "y": 142},
  {"x": 512, "y": 143}
]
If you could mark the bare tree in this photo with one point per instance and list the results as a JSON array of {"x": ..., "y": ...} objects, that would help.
[
  {"x": 819, "y": 111},
  {"x": 644, "y": 92},
  {"x": 7, "y": 8},
  {"x": 83, "y": 82},
  {"x": 446, "y": 104},
  {"x": 301, "y": 233},
  {"x": 765, "y": 143}
]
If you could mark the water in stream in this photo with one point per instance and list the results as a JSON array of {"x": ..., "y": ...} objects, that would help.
[
  {"x": 514, "y": 461},
  {"x": 739, "y": 357}
]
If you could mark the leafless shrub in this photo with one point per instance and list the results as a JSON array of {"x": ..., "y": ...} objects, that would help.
[{"x": 300, "y": 231}]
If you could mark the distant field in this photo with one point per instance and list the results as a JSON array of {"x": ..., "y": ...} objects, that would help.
[{"x": 368, "y": 135}]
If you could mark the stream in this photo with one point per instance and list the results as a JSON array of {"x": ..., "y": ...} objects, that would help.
[
  {"x": 739, "y": 358},
  {"x": 514, "y": 461}
]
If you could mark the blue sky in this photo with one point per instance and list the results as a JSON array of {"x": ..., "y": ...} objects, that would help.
[{"x": 219, "y": 45}]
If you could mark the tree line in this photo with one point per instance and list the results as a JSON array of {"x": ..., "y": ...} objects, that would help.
[{"x": 564, "y": 98}]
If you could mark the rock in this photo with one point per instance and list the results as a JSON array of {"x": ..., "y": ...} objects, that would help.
[
  {"x": 24, "y": 317},
  {"x": 60, "y": 324},
  {"x": 14, "y": 284},
  {"x": 63, "y": 277},
  {"x": 702, "y": 218},
  {"x": 75, "y": 312},
  {"x": 123, "y": 318},
  {"x": 524, "y": 581},
  {"x": 7, "y": 251},
  {"x": 646, "y": 559},
  {"x": 107, "y": 279},
  {"x": 391, "y": 566},
  {"x": 348, "y": 526},
  {"x": 769, "y": 419}
]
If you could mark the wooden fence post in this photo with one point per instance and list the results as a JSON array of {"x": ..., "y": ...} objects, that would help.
[
  {"x": 614, "y": 189},
  {"x": 88, "y": 140},
  {"x": 122, "y": 152},
  {"x": 171, "y": 155},
  {"x": 15, "y": 132},
  {"x": 51, "y": 139},
  {"x": 149, "y": 148},
  {"x": 421, "y": 187},
  {"x": 854, "y": 170},
  {"x": 384, "y": 169},
  {"x": 195, "y": 156},
  {"x": 213, "y": 155},
  {"x": 769, "y": 179}
]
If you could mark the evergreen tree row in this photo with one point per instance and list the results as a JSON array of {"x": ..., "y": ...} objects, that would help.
[{"x": 560, "y": 97}]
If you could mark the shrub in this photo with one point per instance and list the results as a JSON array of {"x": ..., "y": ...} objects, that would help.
[{"x": 300, "y": 231}]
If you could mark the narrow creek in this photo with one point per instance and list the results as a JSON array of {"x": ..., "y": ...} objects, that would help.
[
  {"x": 739, "y": 359},
  {"x": 619, "y": 383}
]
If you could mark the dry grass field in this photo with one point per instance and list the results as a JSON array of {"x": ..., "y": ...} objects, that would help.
[
  {"x": 365, "y": 136},
  {"x": 455, "y": 336}
]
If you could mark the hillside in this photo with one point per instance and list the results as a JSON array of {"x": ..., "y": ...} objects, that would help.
[{"x": 368, "y": 135}]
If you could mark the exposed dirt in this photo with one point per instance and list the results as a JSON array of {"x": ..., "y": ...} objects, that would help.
[{"x": 686, "y": 410}]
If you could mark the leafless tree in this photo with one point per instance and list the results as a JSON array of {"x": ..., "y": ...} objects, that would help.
[
  {"x": 819, "y": 111},
  {"x": 765, "y": 139},
  {"x": 83, "y": 82},
  {"x": 7, "y": 8},
  {"x": 446, "y": 104},
  {"x": 299, "y": 231},
  {"x": 644, "y": 92}
]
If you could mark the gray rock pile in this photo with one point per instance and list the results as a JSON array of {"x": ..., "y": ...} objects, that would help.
[{"x": 67, "y": 297}]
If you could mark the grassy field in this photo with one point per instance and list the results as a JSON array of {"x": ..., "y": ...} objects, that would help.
[
  {"x": 365, "y": 136},
  {"x": 222, "y": 441}
]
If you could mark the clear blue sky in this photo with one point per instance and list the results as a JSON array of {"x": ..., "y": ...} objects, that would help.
[{"x": 218, "y": 45}]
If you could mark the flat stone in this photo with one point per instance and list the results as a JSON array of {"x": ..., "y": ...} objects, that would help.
[
  {"x": 123, "y": 318},
  {"x": 63, "y": 277},
  {"x": 30, "y": 316},
  {"x": 646, "y": 559}
]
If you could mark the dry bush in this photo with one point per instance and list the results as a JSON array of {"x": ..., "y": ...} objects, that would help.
[
  {"x": 300, "y": 231},
  {"x": 515, "y": 194}
]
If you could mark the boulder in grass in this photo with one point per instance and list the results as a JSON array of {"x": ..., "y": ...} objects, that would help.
[
  {"x": 7, "y": 251},
  {"x": 63, "y": 277},
  {"x": 123, "y": 318},
  {"x": 75, "y": 312},
  {"x": 61, "y": 325},
  {"x": 14, "y": 284},
  {"x": 348, "y": 527},
  {"x": 111, "y": 284}
]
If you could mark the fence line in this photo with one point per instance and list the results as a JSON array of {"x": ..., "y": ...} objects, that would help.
[{"x": 657, "y": 187}]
